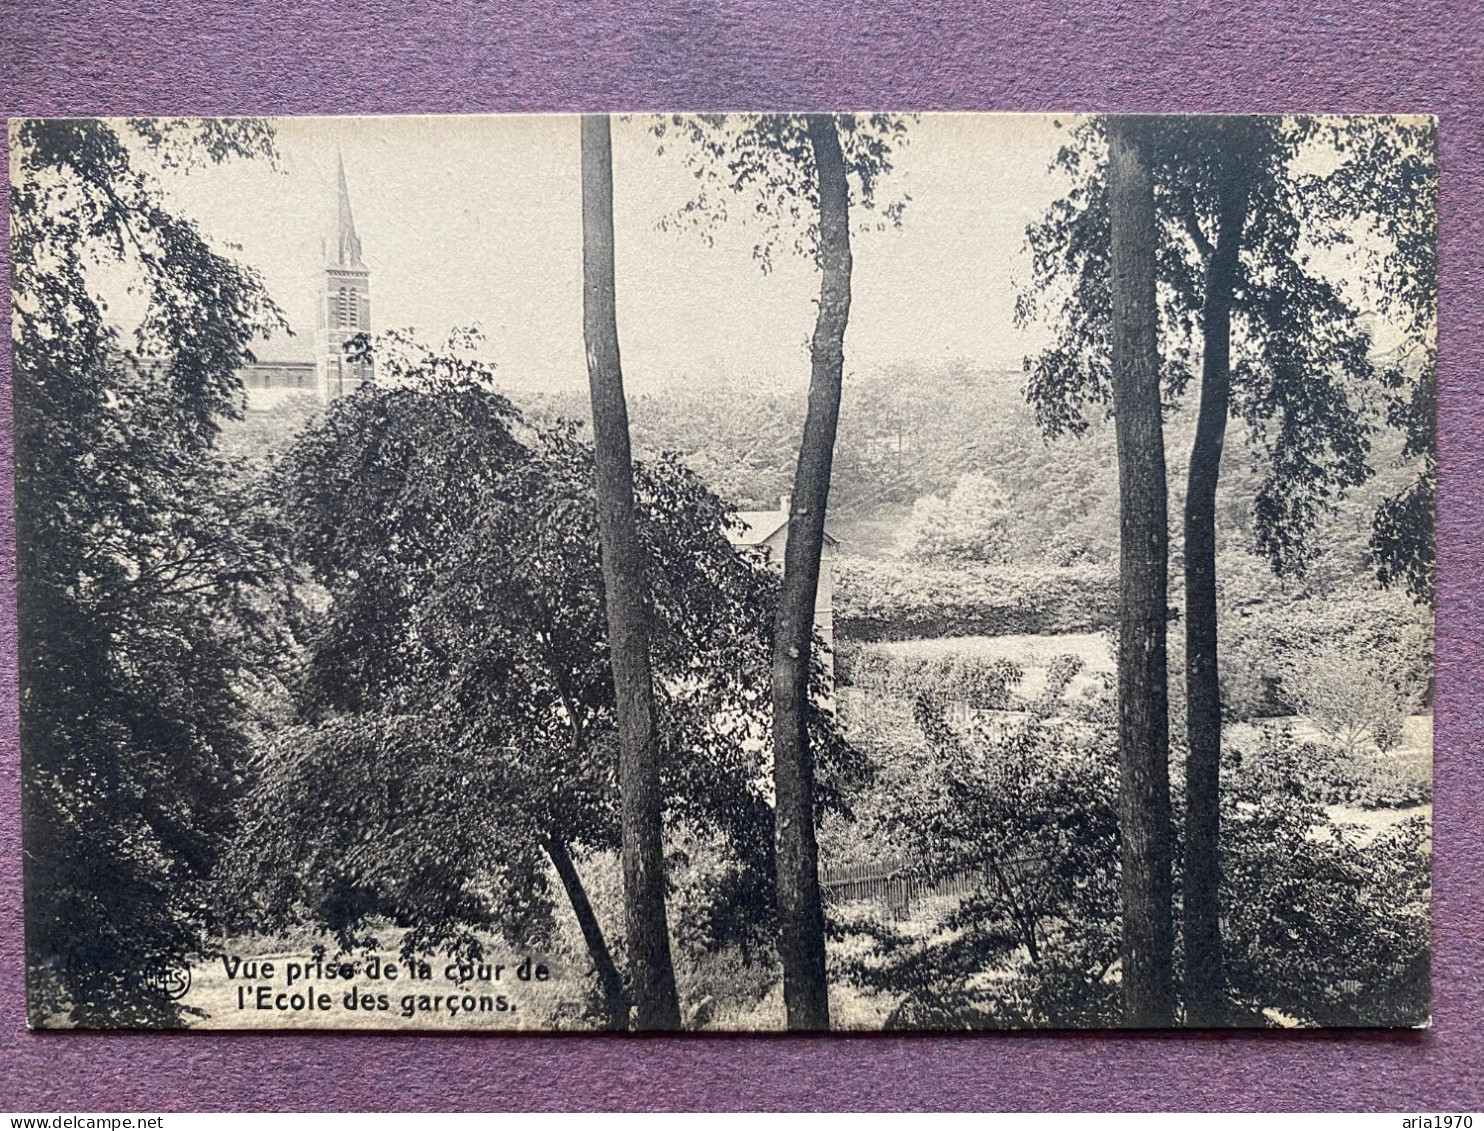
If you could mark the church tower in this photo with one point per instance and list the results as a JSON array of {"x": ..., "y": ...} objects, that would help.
[{"x": 344, "y": 305}]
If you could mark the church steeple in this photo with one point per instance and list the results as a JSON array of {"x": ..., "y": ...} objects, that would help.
[
  {"x": 345, "y": 300},
  {"x": 348, "y": 244}
]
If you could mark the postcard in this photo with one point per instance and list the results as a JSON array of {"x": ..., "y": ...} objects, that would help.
[{"x": 744, "y": 572}]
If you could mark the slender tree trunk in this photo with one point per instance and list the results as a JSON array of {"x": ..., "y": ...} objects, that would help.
[
  {"x": 614, "y": 998},
  {"x": 1204, "y": 980},
  {"x": 1143, "y": 695},
  {"x": 651, "y": 973},
  {"x": 800, "y": 905}
]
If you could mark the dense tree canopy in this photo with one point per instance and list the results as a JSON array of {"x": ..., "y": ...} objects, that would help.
[
  {"x": 459, "y": 701},
  {"x": 1303, "y": 380},
  {"x": 143, "y": 558}
]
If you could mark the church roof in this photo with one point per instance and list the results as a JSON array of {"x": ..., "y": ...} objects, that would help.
[{"x": 347, "y": 243}]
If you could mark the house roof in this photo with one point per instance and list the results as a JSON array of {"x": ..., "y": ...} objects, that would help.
[{"x": 756, "y": 527}]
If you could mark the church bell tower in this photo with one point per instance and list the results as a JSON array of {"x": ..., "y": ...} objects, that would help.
[{"x": 344, "y": 305}]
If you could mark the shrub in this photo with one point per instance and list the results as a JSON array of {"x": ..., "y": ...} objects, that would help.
[
  {"x": 976, "y": 681},
  {"x": 968, "y": 525},
  {"x": 1351, "y": 697},
  {"x": 1031, "y": 814},
  {"x": 1387, "y": 730},
  {"x": 1059, "y": 674},
  {"x": 1328, "y": 775},
  {"x": 1272, "y": 641},
  {"x": 899, "y": 600},
  {"x": 1320, "y": 924}
]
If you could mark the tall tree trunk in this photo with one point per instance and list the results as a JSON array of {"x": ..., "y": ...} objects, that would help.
[
  {"x": 1204, "y": 980},
  {"x": 1143, "y": 695},
  {"x": 614, "y": 998},
  {"x": 800, "y": 905},
  {"x": 651, "y": 973}
]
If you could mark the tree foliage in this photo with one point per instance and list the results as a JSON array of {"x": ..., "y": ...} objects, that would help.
[
  {"x": 766, "y": 163},
  {"x": 969, "y": 524},
  {"x": 1029, "y": 811},
  {"x": 143, "y": 558},
  {"x": 1327, "y": 925},
  {"x": 1246, "y": 208},
  {"x": 459, "y": 680},
  {"x": 1306, "y": 383}
]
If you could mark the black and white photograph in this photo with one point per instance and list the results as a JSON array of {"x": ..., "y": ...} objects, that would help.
[{"x": 726, "y": 572}]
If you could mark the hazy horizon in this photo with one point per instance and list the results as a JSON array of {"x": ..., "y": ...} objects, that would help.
[{"x": 476, "y": 221}]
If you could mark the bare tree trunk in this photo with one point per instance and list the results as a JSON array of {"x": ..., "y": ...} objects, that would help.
[
  {"x": 1143, "y": 695},
  {"x": 651, "y": 973},
  {"x": 1204, "y": 979},
  {"x": 614, "y": 998},
  {"x": 800, "y": 906}
]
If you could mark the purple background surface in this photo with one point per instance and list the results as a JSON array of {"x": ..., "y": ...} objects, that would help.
[{"x": 399, "y": 56}]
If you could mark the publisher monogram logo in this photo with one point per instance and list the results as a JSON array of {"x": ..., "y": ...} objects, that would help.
[{"x": 171, "y": 981}]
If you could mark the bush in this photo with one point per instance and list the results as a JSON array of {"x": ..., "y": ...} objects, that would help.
[
  {"x": 968, "y": 525},
  {"x": 1320, "y": 924},
  {"x": 1060, "y": 672},
  {"x": 1275, "y": 647},
  {"x": 898, "y": 600},
  {"x": 975, "y": 681},
  {"x": 1327, "y": 775},
  {"x": 1029, "y": 814},
  {"x": 1351, "y": 697}
]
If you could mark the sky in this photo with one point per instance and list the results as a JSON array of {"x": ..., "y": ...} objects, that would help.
[{"x": 476, "y": 221}]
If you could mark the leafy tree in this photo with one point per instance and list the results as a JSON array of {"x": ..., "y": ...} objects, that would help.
[
  {"x": 1031, "y": 813},
  {"x": 651, "y": 969},
  {"x": 800, "y": 168},
  {"x": 1395, "y": 187},
  {"x": 904, "y": 432},
  {"x": 458, "y": 727},
  {"x": 1306, "y": 341},
  {"x": 1326, "y": 925},
  {"x": 969, "y": 525},
  {"x": 141, "y": 555},
  {"x": 800, "y": 903},
  {"x": 1143, "y": 711},
  {"x": 1243, "y": 214},
  {"x": 743, "y": 441}
]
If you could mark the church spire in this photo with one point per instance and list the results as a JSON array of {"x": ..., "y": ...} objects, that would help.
[
  {"x": 345, "y": 303},
  {"x": 348, "y": 244}
]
